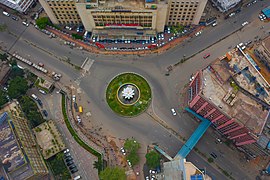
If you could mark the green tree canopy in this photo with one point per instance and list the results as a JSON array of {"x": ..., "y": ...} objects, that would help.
[
  {"x": 3, "y": 99},
  {"x": 152, "y": 159},
  {"x": 43, "y": 22},
  {"x": 131, "y": 145},
  {"x": 3, "y": 57},
  {"x": 17, "y": 87},
  {"x": 115, "y": 173},
  {"x": 31, "y": 111}
]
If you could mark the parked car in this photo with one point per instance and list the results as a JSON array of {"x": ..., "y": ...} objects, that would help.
[
  {"x": 6, "y": 13},
  {"x": 66, "y": 151},
  {"x": 70, "y": 163},
  {"x": 173, "y": 112},
  {"x": 68, "y": 159},
  {"x": 244, "y": 23},
  {"x": 72, "y": 167},
  {"x": 42, "y": 91},
  {"x": 123, "y": 151},
  {"x": 73, "y": 98},
  {"x": 206, "y": 55},
  {"x": 34, "y": 97},
  {"x": 15, "y": 18},
  {"x": 40, "y": 102},
  {"x": 45, "y": 113},
  {"x": 25, "y": 23},
  {"x": 74, "y": 170},
  {"x": 76, "y": 107}
]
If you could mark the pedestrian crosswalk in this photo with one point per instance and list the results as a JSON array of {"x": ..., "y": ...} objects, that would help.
[{"x": 86, "y": 66}]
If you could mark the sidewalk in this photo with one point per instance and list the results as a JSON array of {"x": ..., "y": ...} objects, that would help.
[{"x": 94, "y": 49}]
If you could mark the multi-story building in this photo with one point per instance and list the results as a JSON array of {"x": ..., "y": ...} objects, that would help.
[
  {"x": 19, "y": 5},
  {"x": 128, "y": 17},
  {"x": 232, "y": 94},
  {"x": 19, "y": 152},
  {"x": 185, "y": 12},
  {"x": 61, "y": 11},
  {"x": 225, "y": 5}
]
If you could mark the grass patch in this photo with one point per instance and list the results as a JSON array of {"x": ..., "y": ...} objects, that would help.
[
  {"x": 132, "y": 110},
  {"x": 58, "y": 167},
  {"x": 75, "y": 135}
]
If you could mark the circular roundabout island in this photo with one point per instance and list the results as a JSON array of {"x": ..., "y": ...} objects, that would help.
[{"x": 128, "y": 94}]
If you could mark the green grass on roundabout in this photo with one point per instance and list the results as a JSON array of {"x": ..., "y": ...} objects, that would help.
[{"x": 128, "y": 110}]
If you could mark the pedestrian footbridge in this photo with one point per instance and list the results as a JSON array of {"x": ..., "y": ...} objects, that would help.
[{"x": 195, "y": 137}]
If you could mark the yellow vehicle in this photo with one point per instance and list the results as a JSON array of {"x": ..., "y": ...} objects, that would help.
[{"x": 80, "y": 109}]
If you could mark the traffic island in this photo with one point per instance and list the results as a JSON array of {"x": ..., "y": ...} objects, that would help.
[{"x": 128, "y": 94}]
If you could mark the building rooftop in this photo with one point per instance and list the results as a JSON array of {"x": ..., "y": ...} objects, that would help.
[
  {"x": 233, "y": 84},
  {"x": 10, "y": 153},
  {"x": 14, "y": 135},
  {"x": 123, "y": 4}
]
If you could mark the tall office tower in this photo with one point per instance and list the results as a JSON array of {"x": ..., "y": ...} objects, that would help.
[
  {"x": 61, "y": 11},
  {"x": 19, "y": 5},
  {"x": 185, "y": 12}
]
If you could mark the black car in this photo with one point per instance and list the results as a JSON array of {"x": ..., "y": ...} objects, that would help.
[
  {"x": 74, "y": 170},
  {"x": 213, "y": 155},
  {"x": 40, "y": 102},
  {"x": 76, "y": 107},
  {"x": 69, "y": 159},
  {"x": 15, "y": 18},
  {"x": 70, "y": 163},
  {"x": 72, "y": 167},
  {"x": 45, "y": 113}
]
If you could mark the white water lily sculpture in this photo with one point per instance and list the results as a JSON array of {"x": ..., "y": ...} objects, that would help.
[{"x": 128, "y": 93}]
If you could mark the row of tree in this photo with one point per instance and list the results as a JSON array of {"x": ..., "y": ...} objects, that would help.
[{"x": 131, "y": 146}]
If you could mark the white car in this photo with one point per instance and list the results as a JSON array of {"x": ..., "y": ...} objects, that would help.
[
  {"x": 42, "y": 91},
  {"x": 214, "y": 24},
  {"x": 244, "y": 23},
  {"x": 25, "y": 23},
  {"x": 123, "y": 151},
  {"x": 152, "y": 171},
  {"x": 73, "y": 98},
  {"x": 173, "y": 111},
  {"x": 198, "y": 33},
  {"x": 66, "y": 151}
]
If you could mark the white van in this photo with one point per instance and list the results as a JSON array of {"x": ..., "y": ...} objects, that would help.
[
  {"x": 77, "y": 177},
  {"x": 6, "y": 13}
]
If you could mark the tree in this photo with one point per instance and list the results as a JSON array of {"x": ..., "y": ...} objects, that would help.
[
  {"x": 43, "y": 22},
  {"x": 17, "y": 87},
  {"x": 152, "y": 159},
  {"x": 133, "y": 157},
  {"x": 132, "y": 146},
  {"x": 31, "y": 111},
  {"x": 98, "y": 165},
  {"x": 3, "y": 98},
  {"x": 115, "y": 173},
  {"x": 3, "y": 57}
]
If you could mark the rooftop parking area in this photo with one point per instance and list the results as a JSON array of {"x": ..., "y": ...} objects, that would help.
[{"x": 220, "y": 86}]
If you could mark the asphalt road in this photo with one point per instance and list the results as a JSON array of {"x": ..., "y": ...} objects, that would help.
[{"x": 38, "y": 47}]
